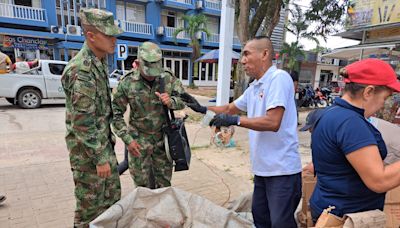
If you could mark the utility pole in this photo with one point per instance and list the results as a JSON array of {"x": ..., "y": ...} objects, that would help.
[{"x": 225, "y": 51}]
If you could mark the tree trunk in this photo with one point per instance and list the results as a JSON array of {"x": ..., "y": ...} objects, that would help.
[{"x": 248, "y": 30}]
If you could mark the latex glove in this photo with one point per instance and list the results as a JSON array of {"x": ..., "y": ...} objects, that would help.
[
  {"x": 224, "y": 120},
  {"x": 192, "y": 103}
]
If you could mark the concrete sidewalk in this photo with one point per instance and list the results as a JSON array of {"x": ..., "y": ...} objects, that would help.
[{"x": 36, "y": 178}]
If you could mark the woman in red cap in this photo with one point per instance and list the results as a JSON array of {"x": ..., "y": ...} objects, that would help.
[{"x": 348, "y": 151}]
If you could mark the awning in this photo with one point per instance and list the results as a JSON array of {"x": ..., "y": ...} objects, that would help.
[
  {"x": 357, "y": 33},
  {"x": 353, "y": 52}
]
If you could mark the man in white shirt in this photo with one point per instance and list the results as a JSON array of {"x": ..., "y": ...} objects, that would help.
[{"x": 272, "y": 122}]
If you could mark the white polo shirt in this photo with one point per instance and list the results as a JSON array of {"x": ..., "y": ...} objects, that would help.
[{"x": 272, "y": 153}]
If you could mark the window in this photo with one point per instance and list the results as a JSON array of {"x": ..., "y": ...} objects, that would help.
[
  {"x": 56, "y": 68},
  {"x": 172, "y": 19},
  {"x": 213, "y": 25},
  {"x": 134, "y": 12}
]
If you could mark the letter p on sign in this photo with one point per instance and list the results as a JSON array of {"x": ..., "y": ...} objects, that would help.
[{"x": 122, "y": 51}]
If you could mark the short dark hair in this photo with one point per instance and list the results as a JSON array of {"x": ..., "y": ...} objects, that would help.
[{"x": 271, "y": 47}]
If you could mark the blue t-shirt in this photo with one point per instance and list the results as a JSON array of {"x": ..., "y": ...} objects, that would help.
[{"x": 341, "y": 130}]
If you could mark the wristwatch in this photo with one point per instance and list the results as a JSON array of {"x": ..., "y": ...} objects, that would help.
[{"x": 238, "y": 122}]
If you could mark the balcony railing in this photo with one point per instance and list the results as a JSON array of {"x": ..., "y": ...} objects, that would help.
[
  {"x": 189, "y": 2},
  {"x": 169, "y": 32},
  {"x": 236, "y": 41},
  {"x": 213, "y": 38},
  {"x": 22, "y": 12},
  {"x": 213, "y": 4},
  {"x": 134, "y": 27}
]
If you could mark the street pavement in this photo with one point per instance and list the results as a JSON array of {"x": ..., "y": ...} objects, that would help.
[{"x": 36, "y": 178}]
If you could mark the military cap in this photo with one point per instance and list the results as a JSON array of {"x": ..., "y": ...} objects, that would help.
[
  {"x": 102, "y": 20},
  {"x": 149, "y": 56}
]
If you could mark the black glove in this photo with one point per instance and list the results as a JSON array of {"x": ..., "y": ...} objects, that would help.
[
  {"x": 224, "y": 120},
  {"x": 192, "y": 103}
]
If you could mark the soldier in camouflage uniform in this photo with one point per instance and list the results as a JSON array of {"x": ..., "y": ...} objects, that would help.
[
  {"x": 140, "y": 89},
  {"x": 88, "y": 115}
]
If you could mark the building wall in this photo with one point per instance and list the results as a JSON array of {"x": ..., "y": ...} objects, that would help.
[{"x": 51, "y": 30}]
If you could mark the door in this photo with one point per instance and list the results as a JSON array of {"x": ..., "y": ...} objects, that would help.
[
  {"x": 52, "y": 77},
  {"x": 180, "y": 68},
  {"x": 207, "y": 74}
]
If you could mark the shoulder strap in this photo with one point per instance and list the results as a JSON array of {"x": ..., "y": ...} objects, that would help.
[{"x": 169, "y": 115}]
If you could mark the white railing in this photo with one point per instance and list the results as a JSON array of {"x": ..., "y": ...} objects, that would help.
[
  {"x": 169, "y": 32},
  {"x": 213, "y": 38},
  {"x": 189, "y": 2},
  {"x": 134, "y": 27},
  {"x": 236, "y": 40},
  {"x": 22, "y": 12},
  {"x": 213, "y": 4}
]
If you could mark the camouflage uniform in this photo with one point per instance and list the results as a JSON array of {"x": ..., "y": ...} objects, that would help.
[
  {"x": 89, "y": 138},
  {"x": 391, "y": 107},
  {"x": 146, "y": 119}
]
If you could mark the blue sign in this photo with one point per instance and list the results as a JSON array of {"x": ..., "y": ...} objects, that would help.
[{"x": 26, "y": 43}]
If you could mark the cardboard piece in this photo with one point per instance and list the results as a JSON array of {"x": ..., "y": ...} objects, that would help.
[
  {"x": 326, "y": 219},
  {"x": 308, "y": 185},
  {"x": 367, "y": 219}
]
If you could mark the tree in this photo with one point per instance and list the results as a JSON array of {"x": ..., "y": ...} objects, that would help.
[
  {"x": 254, "y": 17},
  {"x": 298, "y": 25},
  {"x": 292, "y": 53},
  {"x": 194, "y": 24},
  {"x": 323, "y": 15},
  {"x": 326, "y": 16}
]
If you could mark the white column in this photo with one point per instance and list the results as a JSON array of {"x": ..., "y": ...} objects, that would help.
[{"x": 225, "y": 51}]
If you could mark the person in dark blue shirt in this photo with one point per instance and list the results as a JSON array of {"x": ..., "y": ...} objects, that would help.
[{"x": 348, "y": 151}]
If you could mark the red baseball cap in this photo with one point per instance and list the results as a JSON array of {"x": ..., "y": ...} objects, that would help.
[{"x": 372, "y": 72}]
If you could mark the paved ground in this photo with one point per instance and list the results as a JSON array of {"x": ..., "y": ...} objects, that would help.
[{"x": 36, "y": 177}]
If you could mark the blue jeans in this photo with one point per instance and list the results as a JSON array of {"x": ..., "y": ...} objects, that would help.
[{"x": 275, "y": 200}]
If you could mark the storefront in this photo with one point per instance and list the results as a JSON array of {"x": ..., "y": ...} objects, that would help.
[{"x": 29, "y": 48}]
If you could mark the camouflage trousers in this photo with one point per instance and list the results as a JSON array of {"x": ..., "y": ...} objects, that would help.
[
  {"x": 152, "y": 169},
  {"x": 94, "y": 194}
]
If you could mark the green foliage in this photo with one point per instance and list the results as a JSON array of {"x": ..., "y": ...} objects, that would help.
[
  {"x": 326, "y": 16},
  {"x": 292, "y": 52},
  {"x": 194, "y": 24},
  {"x": 298, "y": 25}
]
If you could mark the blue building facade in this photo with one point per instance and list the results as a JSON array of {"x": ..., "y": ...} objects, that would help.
[{"x": 50, "y": 29}]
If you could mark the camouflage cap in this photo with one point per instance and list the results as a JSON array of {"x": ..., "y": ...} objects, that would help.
[
  {"x": 149, "y": 56},
  {"x": 102, "y": 20}
]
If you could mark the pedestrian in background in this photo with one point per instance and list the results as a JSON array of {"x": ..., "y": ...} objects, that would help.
[
  {"x": 88, "y": 116},
  {"x": 295, "y": 78},
  {"x": 144, "y": 136},
  {"x": 21, "y": 66},
  {"x": 5, "y": 63},
  {"x": 347, "y": 150},
  {"x": 271, "y": 118}
]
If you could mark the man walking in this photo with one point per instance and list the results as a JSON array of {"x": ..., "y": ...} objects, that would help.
[
  {"x": 88, "y": 115},
  {"x": 271, "y": 118},
  {"x": 144, "y": 137}
]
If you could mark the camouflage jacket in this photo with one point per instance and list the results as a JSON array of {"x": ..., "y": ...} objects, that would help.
[
  {"x": 147, "y": 113},
  {"x": 88, "y": 110}
]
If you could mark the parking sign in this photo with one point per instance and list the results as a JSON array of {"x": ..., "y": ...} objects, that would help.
[{"x": 122, "y": 51}]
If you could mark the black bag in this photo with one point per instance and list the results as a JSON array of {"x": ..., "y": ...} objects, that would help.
[{"x": 176, "y": 141}]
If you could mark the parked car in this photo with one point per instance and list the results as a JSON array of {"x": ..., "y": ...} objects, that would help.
[{"x": 42, "y": 82}]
